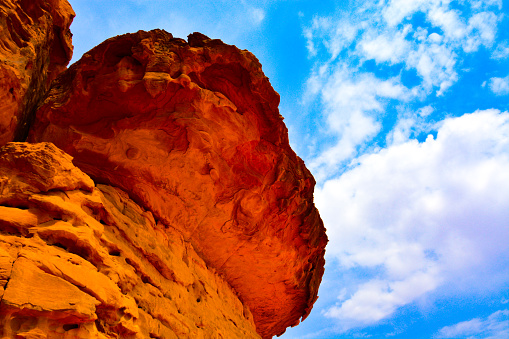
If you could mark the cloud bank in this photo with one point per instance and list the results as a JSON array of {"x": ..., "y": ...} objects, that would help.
[
  {"x": 415, "y": 199},
  {"x": 421, "y": 217}
]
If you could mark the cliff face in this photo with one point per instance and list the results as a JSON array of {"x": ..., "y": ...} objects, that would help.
[
  {"x": 199, "y": 221},
  {"x": 35, "y": 46}
]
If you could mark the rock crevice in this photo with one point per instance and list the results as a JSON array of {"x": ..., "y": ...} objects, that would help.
[{"x": 35, "y": 46}]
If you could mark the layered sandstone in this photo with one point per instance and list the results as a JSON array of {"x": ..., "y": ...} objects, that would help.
[
  {"x": 35, "y": 46},
  {"x": 85, "y": 261},
  {"x": 191, "y": 131}
]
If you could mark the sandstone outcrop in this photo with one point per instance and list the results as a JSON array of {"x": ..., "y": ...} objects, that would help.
[
  {"x": 191, "y": 131},
  {"x": 35, "y": 46},
  {"x": 80, "y": 261},
  {"x": 200, "y": 222}
]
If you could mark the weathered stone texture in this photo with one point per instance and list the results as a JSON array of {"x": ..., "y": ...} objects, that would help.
[
  {"x": 79, "y": 261},
  {"x": 35, "y": 46}
]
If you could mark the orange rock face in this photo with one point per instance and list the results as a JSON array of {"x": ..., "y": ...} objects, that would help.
[
  {"x": 35, "y": 46},
  {"x": 79, "y": 261},
  {"x": 191, "y": 131}
]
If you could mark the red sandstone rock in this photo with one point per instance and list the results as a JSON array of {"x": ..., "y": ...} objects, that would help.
[
  {"x": 35, "y": 46},
  {"x": 191, "y": 131},
  {"x": 87, "y": 262}
]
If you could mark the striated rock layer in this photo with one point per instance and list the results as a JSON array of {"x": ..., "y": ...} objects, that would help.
[
  {"x": 79, "y": 261},
  {"x": 35, "y": 46},
  {"x": 191, "y": 131}
]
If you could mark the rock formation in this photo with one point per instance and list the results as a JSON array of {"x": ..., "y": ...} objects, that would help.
[
  {"x": 35, "y": 46},
  {"x": 194, "y": 218},
  {"x": 79, "y": 261},
  {"x": 192, "y": 132}
]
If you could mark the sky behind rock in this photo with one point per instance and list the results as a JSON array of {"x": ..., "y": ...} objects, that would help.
[{"x": 400, "y": 110}]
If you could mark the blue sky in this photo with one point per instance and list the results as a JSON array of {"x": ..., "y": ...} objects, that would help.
[{"x": 400, "y": 110}]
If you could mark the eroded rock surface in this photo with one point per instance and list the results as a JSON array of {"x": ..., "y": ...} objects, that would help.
[
  {"x": 79, "y": 261},
  {"x": 35, "y": 46},
  {"x": 191, "y": 131}
]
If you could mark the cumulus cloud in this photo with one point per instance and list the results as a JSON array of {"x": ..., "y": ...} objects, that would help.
[
  {"x": 419, "y": 217},
  {"x": 499, "y": 86},
  {"x": 495, "y": 326}
]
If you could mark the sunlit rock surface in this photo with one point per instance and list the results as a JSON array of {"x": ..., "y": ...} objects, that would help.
[
  {"x": 35, "y": 46},
  {"x": 191, "y": 131},
  {"x": 79, "y": 261}
]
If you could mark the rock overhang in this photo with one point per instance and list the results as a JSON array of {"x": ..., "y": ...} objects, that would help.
[{"x": 191, "y": 130}]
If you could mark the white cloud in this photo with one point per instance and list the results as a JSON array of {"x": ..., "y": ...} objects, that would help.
[
  {"x": 448, "y": 20},
  {"x": 333, "y": 35},
  {"x": 377, "y": 299},
  {"x": 482, "y": 29},
  {"x": 257, "y": 15},
  {"x": 386, "y": 47},
  {"x": 434, "y": 61},
  {"x": 495, "y": 326},
  {"x": 351, "y": 104},
  {"x": 499, "y": 86},
  {"x": 422, "y": 217},
  {"x": 425, "y": 111},
  {"x": 502, "y": 51},
  {"x": 410, "y": 125},
  {"x": 479, "y": 4},
  {"x": 401, "y": 132}
]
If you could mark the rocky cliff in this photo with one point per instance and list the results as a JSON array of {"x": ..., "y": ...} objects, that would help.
[{"x": 171, "y": 206}]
